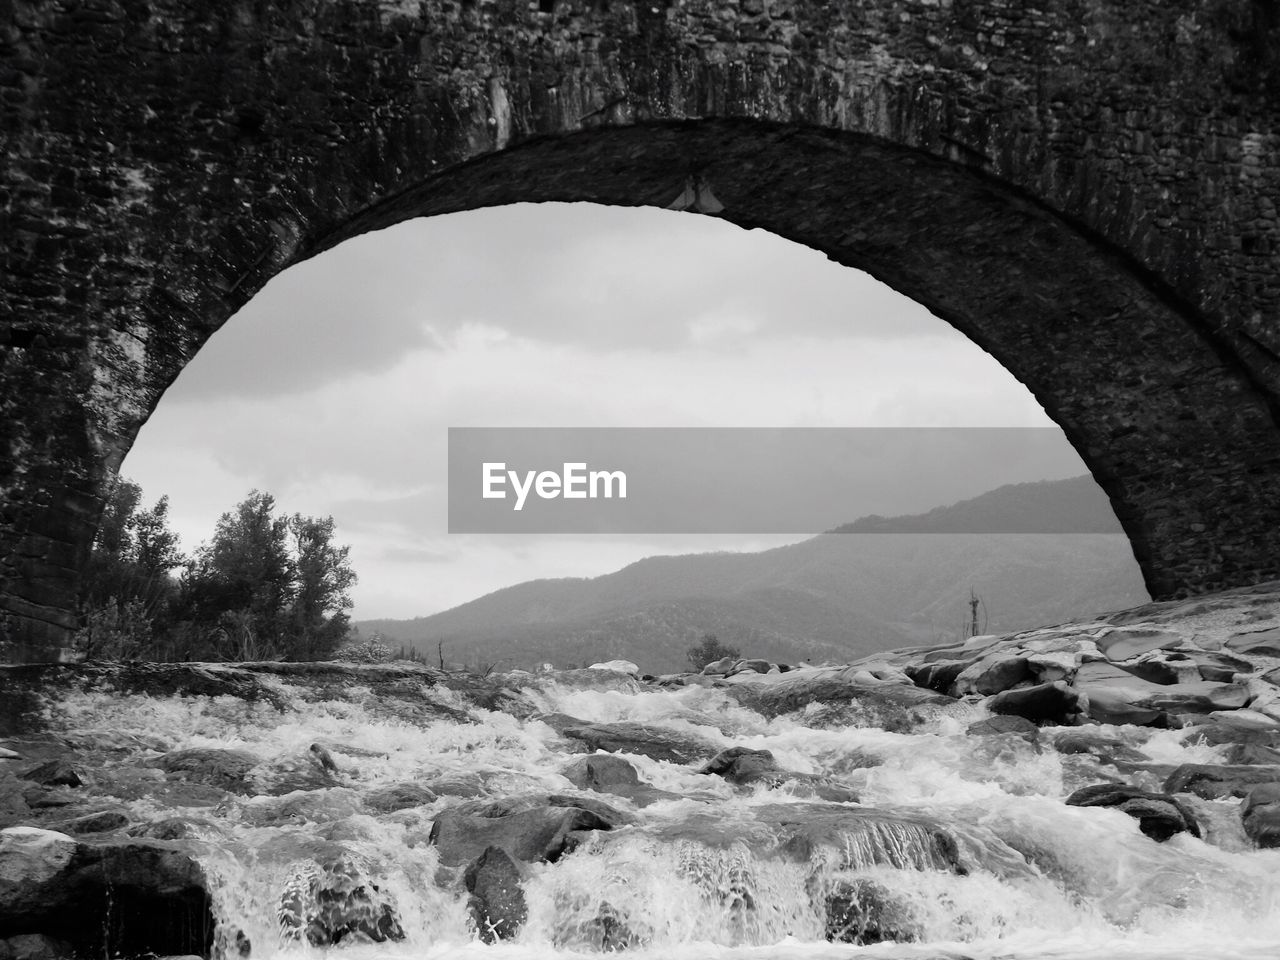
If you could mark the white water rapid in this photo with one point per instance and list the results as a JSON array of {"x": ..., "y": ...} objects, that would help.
[{"x": 964, "y": 838}]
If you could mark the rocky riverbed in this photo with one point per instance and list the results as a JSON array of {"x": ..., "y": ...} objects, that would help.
[{"x": 1103, "y": 788}]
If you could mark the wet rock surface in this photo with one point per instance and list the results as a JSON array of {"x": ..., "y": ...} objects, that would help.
[
  {"x": 596, "y": 811},
  {"x": 1159, "y": 815}
]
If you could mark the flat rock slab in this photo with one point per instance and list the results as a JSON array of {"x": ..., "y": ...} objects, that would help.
[
  {"x": 1264, "y": 643},
  {"x": 1214, "y": 781},
  {"x": 1125, "y": 643},
  {"x": 644, "y": 739}
]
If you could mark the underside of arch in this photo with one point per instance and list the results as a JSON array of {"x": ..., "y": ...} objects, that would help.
[{"x": 1173, "y": 429}]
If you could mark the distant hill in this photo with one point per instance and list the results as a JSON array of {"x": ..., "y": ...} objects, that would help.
[
  {"x": 1077, "y": 505},
  {"x": 834, "y": 596}
]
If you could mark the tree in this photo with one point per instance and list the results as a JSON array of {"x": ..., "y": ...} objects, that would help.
[
  {"x": 126, "y": 590},
  {"x": 708, "y": 650},
  {"x": 273, "y": 586},
  {"x": 319, "y": 619}
]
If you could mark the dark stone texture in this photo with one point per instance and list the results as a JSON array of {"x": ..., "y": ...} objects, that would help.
[
  {"x": 54, "y": 773},
  {"x": 1214, "y": 781},
  {"x": 496, "y": 904},
  {"x": 606, "y": 773},
  {"x": 1159, "y": 815},
  {"x": 745, "y": 767},
  {"x": 1087, "y": 190},
  {"x": 227, "y": 769},
  {"x": 398, "y": 796},
  {"x": 530, "y": 829},
  {"x": 1000, "y": 725},
  {"x": 1260, "y": 815},
  {"x": 1055, "y": 703},
  {"x": 861, "y": 911},
  {"x": 131, "y": 899},
  {"x": 649, "y": 740},
  {"x": 891, "y": 706},
  {"x": 335, "y": 902}
]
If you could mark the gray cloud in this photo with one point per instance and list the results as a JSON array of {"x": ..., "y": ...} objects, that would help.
[{"x": 598, "y": 278}]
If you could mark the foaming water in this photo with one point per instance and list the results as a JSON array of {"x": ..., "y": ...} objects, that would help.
[{"x": 958, "y": 845}]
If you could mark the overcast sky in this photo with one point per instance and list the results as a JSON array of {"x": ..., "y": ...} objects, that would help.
[{"x": 335, "y": 387}]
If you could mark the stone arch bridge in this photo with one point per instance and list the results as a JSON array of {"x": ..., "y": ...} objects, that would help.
[{"x": 1086, "y": 188}]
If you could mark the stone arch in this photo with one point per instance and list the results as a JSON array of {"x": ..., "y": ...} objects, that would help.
[{"x": 1084, "y": 191}]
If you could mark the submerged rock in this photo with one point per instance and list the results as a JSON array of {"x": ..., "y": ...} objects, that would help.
[
  {"x": 1159, "y": 815},
  {"x": 227, "y": 769},
  {"x": 336, "y": 902},
  {"x": 1106, "y": 749},
  {"x": 863, "y": 912},
  {"x": 999, "y": 726},
  {"x": 647, "y": 740},
  {"x": 398, "y": 796},
  {"x": 606, "y": 773},
  {"x": 746, "y": 767},
  {"x": 1214, "y": 781},
  {"x": 497, "y": 905}
]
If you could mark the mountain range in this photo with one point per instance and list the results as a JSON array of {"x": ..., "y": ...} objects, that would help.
[{"x": 870, "y": 585}]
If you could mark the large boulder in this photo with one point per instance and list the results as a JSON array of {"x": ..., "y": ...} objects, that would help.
[
  {"x": 1260, "y": 815},
  {"x": 105, "y": 899},
  {"x": 496, "y": 903},
  {"x": 1055, "y": 702},
  {"x": 993, "y": 673},
  {"x": 939, "y": 675},
  {"x": 531, "y": 828},
  {"x": 1159, "y": 815}
]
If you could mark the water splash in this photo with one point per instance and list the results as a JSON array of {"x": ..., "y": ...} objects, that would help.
[{"x": 960, "y": 845}]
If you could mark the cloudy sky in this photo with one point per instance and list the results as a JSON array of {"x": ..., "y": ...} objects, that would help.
[{"x": 335, "y": 387}]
